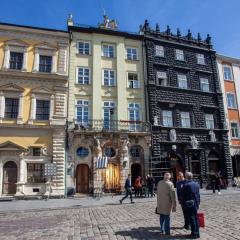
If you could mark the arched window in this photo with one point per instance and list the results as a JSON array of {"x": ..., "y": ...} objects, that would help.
[{"x": 82, "y": 152}]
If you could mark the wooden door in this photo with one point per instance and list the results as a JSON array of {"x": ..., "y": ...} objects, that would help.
[
  {"x": 9, "y": 178},
  {"x": 82, "y": 178}
]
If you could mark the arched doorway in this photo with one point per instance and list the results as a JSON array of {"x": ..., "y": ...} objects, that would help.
[
  {"x": 176, "y": 166},
  {"x": 136, "y": 170},
  {"x": 82, "y": 178},
  {"x": 9, "y": 177}
]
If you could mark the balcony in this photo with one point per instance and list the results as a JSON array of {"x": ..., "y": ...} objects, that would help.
[{"x": 112, "y": 126}]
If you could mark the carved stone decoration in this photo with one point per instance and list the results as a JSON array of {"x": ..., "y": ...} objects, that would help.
[
  {"x": 124, "y": 152},
  {"x": 98, "y": 147},
  {"x": 155, "y": 121},
  {"x": 212, "y": 136},
  {"x": 44, "y": 151},
  {"x": 70, "y": 139},
  {"x": 194, "y": 142},
  {"x": 173, "y": 135},
  {"x": 27, "y": 152}
]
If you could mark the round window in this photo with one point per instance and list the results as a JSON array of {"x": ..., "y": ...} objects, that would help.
[
  {"x": 82, "y": 152},
  {"x": 109, "y": 152}
]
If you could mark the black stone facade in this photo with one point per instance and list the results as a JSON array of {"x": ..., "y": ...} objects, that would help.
[{"x": 168, "y": 155}]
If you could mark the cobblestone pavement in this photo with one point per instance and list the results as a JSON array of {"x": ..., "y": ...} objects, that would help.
[{"x": 120, "y": 222}]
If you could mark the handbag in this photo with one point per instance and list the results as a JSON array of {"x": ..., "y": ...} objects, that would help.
[
  {"x": 156, "y": 211},
  {"x": 201, "y": 219}
]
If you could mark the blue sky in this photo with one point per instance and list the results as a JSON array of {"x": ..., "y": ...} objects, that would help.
[{"x": 220, "y": 18}]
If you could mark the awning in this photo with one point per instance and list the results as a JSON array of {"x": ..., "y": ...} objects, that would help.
[
  {"x": 234, "y": 151},
  {"x": 102, "y": 162}
]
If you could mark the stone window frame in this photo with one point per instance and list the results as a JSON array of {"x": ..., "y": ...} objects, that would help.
[
  {"x": 181, "y": 118},
  {"x": 137, "y": 86},
  {"x": 201, "y": 59},
  {"x": 238, "y": 131},
  {"x": 85, "y": 103},
  {"x": 178, "y": 53},
  {"x": 179, "y": 75},
  {"x": 49, "y": 96},
  {"x": 213, "y": 120},
  {"x": 108, "y": 45},
  {"x": 172, "y": 117},
  {"x": 204, "y": 83},
  {"x": 45, "y": 50},
  {"x": 77, "y": 73},
  {"x": 15, "y": 46},
  {"x": 109, "y": 81},
  {"x": 159, "y": 51},
  {"x": 131, "y": 58},
  {"x": 84, "y": 42},
  {"x": 159, "y": 75},
  {"x": 13, "y": 93},
  {"x": 235, "y": 100}
]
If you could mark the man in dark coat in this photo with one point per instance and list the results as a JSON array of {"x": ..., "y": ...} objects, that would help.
[
  {"x": 191, "y": 199},
  {"x": 128, "y": 188},
  {"x": 179, "y": 186}
]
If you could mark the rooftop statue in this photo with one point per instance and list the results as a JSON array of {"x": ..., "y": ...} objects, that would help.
[{"x": 107, "y": 23}]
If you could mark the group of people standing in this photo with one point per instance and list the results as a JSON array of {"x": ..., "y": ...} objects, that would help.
[
  {"x": 188, "y": 197},
  {"x": 145, "y": 187}
]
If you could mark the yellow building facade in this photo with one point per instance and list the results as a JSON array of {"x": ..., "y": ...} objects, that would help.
[
  {"x": 33, "y": 109},
  {"x": 106, "y": 109}
]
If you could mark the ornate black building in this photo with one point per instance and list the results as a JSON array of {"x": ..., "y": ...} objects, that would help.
[{"x": 185, "y": 105}]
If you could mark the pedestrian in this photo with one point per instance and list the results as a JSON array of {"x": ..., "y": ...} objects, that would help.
[
  {"x": 191, "y": 200},
  {"x": 166, "y": 202},
  {"x": 215, "y": 181},
  {"x": 138, "y": 187},
  {"x": 128, "y": 189},
  {"x": 179, "y": 185},
  {"x": 150, "y": 185}
]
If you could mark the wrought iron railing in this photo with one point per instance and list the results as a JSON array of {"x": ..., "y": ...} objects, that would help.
[{"x": 112, "y": 126}]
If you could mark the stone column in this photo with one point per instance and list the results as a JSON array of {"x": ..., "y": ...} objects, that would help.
[
  {"x": 124, "y": 161},
  {"x": 52, "y": 108},
  {"x": 36, "y": 61},
  {"x": 22, "y": 178},
  {"x": 62, "y": 59},
  {"x": 33, "y": 109},
  {"x": 1, "y": 177},
  {"x": 58, "y": 182},
  {"x": 6, "y": 57},
  {"x": 25, "y": 54},
  {"x": 20, "y": 111},
  {"x": 2, "y": 106},
  {"x": 54, "y": 63}
]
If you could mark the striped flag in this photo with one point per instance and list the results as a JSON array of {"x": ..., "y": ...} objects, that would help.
[{"x": 102, "y": 162}]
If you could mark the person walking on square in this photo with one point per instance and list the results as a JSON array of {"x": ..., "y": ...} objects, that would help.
[
  {"x": 191, "y": 200},
  {"x": 150, "y": 185},
  {"x": 166, "y": 202},
  {"x": 179, "y": 186},
  {"x": 128, "y": 189},
  {"x": 215, "y": 181}
]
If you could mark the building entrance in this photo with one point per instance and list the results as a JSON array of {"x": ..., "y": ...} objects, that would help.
[
  {"x": 82, "y": 178},
  {"x": 9, "y": 177}
]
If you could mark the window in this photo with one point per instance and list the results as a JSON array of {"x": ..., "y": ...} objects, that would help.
[
  {"x": 109, "y": 77},
  {"x": 161, "y": 78},
  {"x": 84, "y": 48},
  {"x": 36, "y": 151},
  {"x": 108, "y": 51},
  {"x": 182, "y": 81},
  {"x": 82, "y": 152},
  {"x": 45, "y": 63},
  {"x": 16, "y": 60},
  {"x": 108, "y": 114},
  {"x": 83, "y": 75},
  {"x": 234, "y": 130},
  {"x": 231, "y": 100},
  {"x": 135, "y": 151},
  {"x": 35, "y": 173},
  {"x": 109, "y": 152},
  {"x": 134, "y": 116},
  {"x": 204, "y": 84},
  {"x": 11, "y": 107},
  {"x": 185, "y": 120},
  {"x": 131, "y": 53},
  {"x": 227, "y": 73},
  {"x": 209, "y": 120},
  {"x": 42, "y": 109},
  {"x": 133, "y": 80},
  {"x": 200, "y": 59},
  {"x": 179, "y": 55},
  {"x": 159, "y": 51},
  {"x": 167, "y": 118},
  {"x": 82, "y": 111}
]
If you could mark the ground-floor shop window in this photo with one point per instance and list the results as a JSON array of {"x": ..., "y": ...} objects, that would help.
[{"x": 35, "y": 173}]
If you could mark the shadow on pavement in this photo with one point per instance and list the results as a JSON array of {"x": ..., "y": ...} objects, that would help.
[{"x": 150, "y": 233}]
